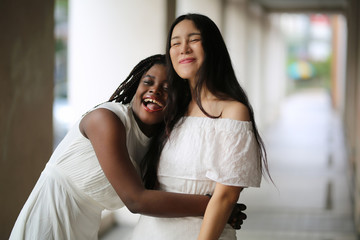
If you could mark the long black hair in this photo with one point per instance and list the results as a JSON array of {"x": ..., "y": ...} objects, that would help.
[{"x": 216, "y": 74}]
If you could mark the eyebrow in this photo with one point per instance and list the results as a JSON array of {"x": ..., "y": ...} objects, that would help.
[
  {"x": 150, "y": 76},
  {"x": 189, "y": 35}
]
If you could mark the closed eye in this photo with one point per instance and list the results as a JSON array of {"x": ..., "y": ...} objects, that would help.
[
  {"x": 195, "y": 40},
  {"x": 148, "y": 81},
  {"x": 175, "y": 44},
  {"x": 165, "y": 87}
]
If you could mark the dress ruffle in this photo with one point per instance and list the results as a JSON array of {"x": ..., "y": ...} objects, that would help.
[{"x": 223, "y": 150}]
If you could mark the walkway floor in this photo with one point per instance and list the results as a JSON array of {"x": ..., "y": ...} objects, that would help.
[{"x": 311, "y": 199}]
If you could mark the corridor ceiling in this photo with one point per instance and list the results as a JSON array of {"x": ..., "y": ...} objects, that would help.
[{"x": 292, "y": 6}]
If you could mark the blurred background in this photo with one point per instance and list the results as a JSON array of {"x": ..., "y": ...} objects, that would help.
[{"x": 298, "y": 60}]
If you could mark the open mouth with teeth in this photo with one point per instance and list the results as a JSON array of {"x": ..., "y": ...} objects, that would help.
[{"x": 152, "y": 105}]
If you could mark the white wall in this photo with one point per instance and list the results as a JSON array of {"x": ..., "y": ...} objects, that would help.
[
  {"x": 210, "y": 8},
  {"x": 106, "y": 39}
]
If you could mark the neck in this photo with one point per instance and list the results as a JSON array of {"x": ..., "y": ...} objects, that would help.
[
  {"x": 205, "y": 94},
  {"x": 148, "y": 130},
  {"x": 192, "y": 83}
]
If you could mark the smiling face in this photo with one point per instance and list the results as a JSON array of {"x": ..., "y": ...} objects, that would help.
[
  {"x": 186, "y": 50},
  {"x": 150, "y": 97}
]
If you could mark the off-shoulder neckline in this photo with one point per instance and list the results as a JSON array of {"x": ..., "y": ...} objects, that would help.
[{"x": 215, "y": 119}]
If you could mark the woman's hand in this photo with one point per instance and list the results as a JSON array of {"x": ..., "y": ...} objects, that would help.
[{"x": 237, "y": 216}]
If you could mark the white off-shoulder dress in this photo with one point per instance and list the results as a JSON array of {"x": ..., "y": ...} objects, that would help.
[
  {"x": 199, "y": 153},
  {"x": 72, "y": 191}
]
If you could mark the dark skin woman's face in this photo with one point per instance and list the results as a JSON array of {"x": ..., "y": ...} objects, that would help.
[{"x": 150, "y": 97}]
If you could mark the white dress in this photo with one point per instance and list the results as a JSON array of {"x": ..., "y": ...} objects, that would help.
[
  {"x": 72, "y": 191},
  {"x": 199, "y": 153}
]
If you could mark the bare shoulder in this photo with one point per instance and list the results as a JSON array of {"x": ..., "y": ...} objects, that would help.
[
  {"x": 99, "y": 119},
  {"x": 235, "y": 110}
]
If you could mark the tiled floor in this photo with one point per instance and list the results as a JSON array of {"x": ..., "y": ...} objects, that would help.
[{"x": 311, "y": 199}]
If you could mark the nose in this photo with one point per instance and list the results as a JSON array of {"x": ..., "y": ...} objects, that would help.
[
  {"x": 155, "y": 90},
  {"x": 185, "y": 48}
]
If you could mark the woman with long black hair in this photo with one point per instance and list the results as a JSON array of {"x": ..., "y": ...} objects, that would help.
[{"x": 211, "y": 144}]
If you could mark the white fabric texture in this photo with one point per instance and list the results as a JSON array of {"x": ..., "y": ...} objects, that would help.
[
  {"x": 199, "y": 153},
  {"x": 68, "y": 198}
]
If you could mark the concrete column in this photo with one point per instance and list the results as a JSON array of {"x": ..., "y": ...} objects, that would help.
[
  {"x": 352, "y": 75},
  {"x": 106, "y": 40},
  {"x": 338, "y": 75},
  {"x": 356, "y": 119},
  {"x": 254, "y": 57},
  {"x": 171, "y": 14},
  {"x": 235, "y": 27},
  {"x": 273, "y": 79},
  {"x": 26, "y": 90},
  {"x": 352, "y": 112},
  {"x": 210, "y": 8}
]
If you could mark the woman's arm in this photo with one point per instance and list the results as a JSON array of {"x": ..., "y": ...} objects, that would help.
[
  {"x": 218, "y": 211},
  {"x": 225, "y": 197},
  {"x": 108, "y": 137}
]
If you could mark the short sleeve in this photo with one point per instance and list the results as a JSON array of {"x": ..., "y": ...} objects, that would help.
[
  {"x": 234, "y": 157},
  {"x": 119, "y": 109},
  {"x": 136, "y": 141}
]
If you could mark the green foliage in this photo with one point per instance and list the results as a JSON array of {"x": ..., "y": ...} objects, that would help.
[
  {"x": 59, "y": 45},
  {"x": 323, "y": 71}
]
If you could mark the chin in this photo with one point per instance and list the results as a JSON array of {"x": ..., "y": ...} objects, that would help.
[
  {"x": 186, "y": 75},
  {"x": 151, "y": 120},
  {"x": 152, "y": 123}
]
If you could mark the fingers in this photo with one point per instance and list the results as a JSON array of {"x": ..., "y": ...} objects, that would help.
[
  {"x": 237, "y": 216},
  {"x": 241, "y": 206},
  {"x": 238, "y": 211},
  {"x": 236, "y": 224}
]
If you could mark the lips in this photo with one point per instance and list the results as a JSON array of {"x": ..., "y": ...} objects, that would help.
[
  {"x": 152, "y": 105},
  {"x": 186, "y": 60}
]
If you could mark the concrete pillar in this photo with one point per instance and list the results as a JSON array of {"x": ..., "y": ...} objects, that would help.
[
  {"x": 338, "y": 74},
  {"x": 235, "y": 27},
  {"x": 171, "y": 14},
  {"x": 273, "y": 79},
  {"x": 254, "y": 57},
  {"x": 26, "y": 90},
  {"x": 356, "y": 110},
  {"x": 352, "y": 105},
  {"x": 106, "y": 40},
  {"x": 210, "y": 8},
  {"x": 352, "y": 75}
]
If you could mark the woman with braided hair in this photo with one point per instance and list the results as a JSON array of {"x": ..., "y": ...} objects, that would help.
[{"x": 95, "y": 167}]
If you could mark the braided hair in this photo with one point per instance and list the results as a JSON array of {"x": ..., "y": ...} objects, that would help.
[{"x": 127, "y": 89}]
